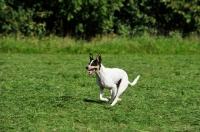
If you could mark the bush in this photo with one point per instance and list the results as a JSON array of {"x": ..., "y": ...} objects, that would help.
[{"x": 88, "y": 18}]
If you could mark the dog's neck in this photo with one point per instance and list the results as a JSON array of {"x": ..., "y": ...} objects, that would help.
[{"x": 100, "y": 73}]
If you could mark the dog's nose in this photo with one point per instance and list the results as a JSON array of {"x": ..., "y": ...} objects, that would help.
[{"x": 86, "y": 67}]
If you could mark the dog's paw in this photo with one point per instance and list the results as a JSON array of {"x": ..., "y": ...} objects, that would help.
[
  {"x": 105, "y": 99},
  {"x": 119, "y": 99},
  {"x": 108, "y": 107},
  {"x": 109, "y": 98}
]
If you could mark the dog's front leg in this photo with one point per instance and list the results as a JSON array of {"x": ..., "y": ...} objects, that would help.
[{"x": 101, "y": 95}]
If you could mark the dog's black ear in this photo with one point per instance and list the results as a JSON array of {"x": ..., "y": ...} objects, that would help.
[
  {"x": 91, "y": 57},
  {"x": 99, "y": 57}
]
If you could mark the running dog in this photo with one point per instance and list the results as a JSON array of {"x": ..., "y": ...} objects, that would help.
[{"x": 111, "y": 78}]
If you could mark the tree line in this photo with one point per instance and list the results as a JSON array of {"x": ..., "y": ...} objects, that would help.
[{"x": 88, "y": 18}]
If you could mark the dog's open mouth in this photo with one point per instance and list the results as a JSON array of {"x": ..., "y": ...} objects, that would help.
[{"x": 91, "y": 71}]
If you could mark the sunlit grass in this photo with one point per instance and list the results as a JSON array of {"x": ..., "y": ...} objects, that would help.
[{"x": 54, "y": 93}]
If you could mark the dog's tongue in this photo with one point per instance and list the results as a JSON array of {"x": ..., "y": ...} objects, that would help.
[{"x": 91, "y": 72}]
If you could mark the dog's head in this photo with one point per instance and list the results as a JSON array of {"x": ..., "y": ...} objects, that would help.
[{"x": 94, "y": 65}]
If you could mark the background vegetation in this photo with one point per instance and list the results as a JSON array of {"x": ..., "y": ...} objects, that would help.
[
  {"x": 87, "y": 18},
  {"x": 144, "y": 44}
]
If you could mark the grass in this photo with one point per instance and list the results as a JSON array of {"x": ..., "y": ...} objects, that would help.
[
  {"x": 43, "y": 92},
  {"x": 120, "y": 45}
]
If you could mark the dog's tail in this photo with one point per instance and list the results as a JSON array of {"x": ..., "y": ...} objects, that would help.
[{"x": 135, "y": 81}]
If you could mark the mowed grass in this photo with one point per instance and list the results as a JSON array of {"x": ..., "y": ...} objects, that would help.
[{"x": 55, "y": 93}]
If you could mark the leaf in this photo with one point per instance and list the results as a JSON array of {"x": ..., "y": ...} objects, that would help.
[
  {"x": 70, "y": 16},
  {"x": 188, "y": 20}
]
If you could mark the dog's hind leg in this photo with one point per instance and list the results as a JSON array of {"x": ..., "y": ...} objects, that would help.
[
  {"x": 101, "y": 95},
  {"x": 122, "y": 87},
  {"x": 114, "y": 91},
  {"x": 110, "y": 95}
]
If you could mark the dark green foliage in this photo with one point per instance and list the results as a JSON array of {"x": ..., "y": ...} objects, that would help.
[{"x": 87, "y": 18}]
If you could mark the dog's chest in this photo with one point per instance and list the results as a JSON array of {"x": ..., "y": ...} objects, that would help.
[{"x": 102, "y": 81}]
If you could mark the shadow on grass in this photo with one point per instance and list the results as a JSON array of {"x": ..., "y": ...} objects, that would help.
[
  {"x": 68, "y": 97},
  {"x": 93, "y": 101},
  {"x": 98, "y": 102}
]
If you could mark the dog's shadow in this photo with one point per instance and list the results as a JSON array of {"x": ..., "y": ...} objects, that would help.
[
  {"x": 93, "y": 101},
  {"x": 99, "y": 102},
  {"x": 70, "y": 98}
]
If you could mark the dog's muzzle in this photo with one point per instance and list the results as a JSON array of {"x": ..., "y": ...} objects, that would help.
[{"x": 92, "y": 69}]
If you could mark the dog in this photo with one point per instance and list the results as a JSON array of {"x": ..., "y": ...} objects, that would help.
[{"x": 111, "y": 78}]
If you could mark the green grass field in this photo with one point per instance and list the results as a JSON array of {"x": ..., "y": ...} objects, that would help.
[{"x": 42, "y": 92}]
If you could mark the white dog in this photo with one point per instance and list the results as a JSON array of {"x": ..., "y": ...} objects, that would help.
[{"x": 111, "y": 78}]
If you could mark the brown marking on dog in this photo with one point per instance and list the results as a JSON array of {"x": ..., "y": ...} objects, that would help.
[{"x": 95, "y": 67}]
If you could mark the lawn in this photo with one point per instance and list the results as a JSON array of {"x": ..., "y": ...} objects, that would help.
[{"x": 43, "y": 92}]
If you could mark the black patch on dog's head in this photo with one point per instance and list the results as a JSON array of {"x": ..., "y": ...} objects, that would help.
[
  {"x": 99, "y": 58},
  {"x": 95, "y": 62},
  {"x": 91, "y": 57},
  {"x": 94, "y": 65}
]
